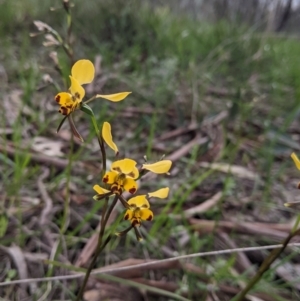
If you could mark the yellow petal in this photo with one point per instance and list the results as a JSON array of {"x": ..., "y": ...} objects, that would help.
[
  {"x": 83, "y": 71},
  {"x": 64, "y": 99},
  {"x": 134, "y": 174},
  {"x": 114, "y": 97},
  {"x": 128, "y": 215},
  {"x": 106, "y": 134},
  {"x": 130, "y": 185},
  {"x": 161, "y": 193},
  {"x": 66, "y": 102},
  {"x": 76, "y": 90},
  {"x": 296, "y": 160},
  {"x": 139, "y": 201},
  {"x": 158, "y": 167},
  {"x": 100, "y": 190},
  {"x": 109, "y": 177},
  {"x": 146, "y": 215},
  {"x": 125, "y": 166}
]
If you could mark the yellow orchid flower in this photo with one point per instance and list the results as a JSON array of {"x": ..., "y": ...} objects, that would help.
[
  {"x": 124, "y": 173},
  {"x": 121, "y": 177},
  {"x": 139, "y": 210},
  {"x": 159, "y": 167},
  {"x": 139, "y": 207},
  {"x": 82, "y": 72}
]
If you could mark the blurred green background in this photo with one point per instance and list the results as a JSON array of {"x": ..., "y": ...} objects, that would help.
[{"x": 212, "y": 82}]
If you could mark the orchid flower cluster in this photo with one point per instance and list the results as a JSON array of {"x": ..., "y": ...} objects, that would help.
[
  {"x": 123, "y": 177},
  {"x": 82, "y": 72},
  {"x": 124, "y": 174}
]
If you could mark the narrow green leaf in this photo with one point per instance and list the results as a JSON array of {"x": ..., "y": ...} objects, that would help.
[
  {"x": 61, "y": 123},
  {"x": 87, "y": 109}
]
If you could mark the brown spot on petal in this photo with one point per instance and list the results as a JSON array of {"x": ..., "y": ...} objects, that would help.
[
  {"x": 64, "y": 110},
  {"x": 135, "y": 222},
  {"x": 57, "y": 98},
  {"x": 77, "y": 95},
  {"x": 126, "y": 217},
  {"x": 131, "y": 174},
  {"x": 132, "y": 190},
  {"x": 149, "y": 218},
  {"x": 105, "y": 179},
  {"x": 117, "y": 169},
  {"x": 115, "y": 188}
]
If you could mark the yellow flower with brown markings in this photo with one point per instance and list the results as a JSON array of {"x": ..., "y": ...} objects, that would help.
[
  {"x": 121, "y": 177},
  {"x": 140, "y": 207},
  {"x": 82, "y": 72},
  {"x": 139, "y": 210}
]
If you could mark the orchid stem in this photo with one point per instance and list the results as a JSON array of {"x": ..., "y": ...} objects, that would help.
[
  {"x": 67, "y": 46},
  {"x": 265, "y": 266},
  {"x": 110, "y": 209},
  {"x": 101, "y": 144},
  {"x": 296, "y": 224},
  {"x": 97, "y": 252},
  {"x": 89, "y": 100},
  {"x": 100, "y": 246}
]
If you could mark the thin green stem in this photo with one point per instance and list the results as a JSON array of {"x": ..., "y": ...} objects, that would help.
[
  {"x": 105, "y": 213},
  {"x": 265, "y": 266},
  {"x": 100, "y": 246},
  {"x": 101, "y": 144},
  {"x": 124, "y": 202},
  {"x": 67, "y": 46},
  {"x": 89, "y": 100},
  {"x": 95, "y": 125},
  {"x": 110, "y": 209},
  {"x": 124, "y": 232},
  {"x": 100, "y": 237},
  {"x": 138, "y": 234},
  {"x": 296, "y": 224}
]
